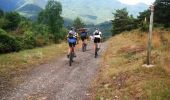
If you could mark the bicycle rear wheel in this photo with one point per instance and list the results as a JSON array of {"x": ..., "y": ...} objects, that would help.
[
  {"x": 96, "y": 52},
  {"x": 71, "y": 55},
  {"x": 71, "y": 58},
  {"x": 83, "y": 47}
]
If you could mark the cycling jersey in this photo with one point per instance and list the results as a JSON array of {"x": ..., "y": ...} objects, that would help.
[
  {"x": 72, "y": 34},
  {"x": 72, "y": 38},
  {"x": 83, "y": 34},
  {"x": 97, "y": 34}
]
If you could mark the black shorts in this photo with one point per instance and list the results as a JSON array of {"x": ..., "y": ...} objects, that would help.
[
  {"x": 83, "y": 38},
  {"x": 72, "y": 44},
  {"x": 96, "y": 40}
]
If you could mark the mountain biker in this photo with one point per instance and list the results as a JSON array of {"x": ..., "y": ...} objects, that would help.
[
  {"x": 97, "y": 38},
  {"x": 83, "y": 36},
  {"x": 72, "y": 40}
]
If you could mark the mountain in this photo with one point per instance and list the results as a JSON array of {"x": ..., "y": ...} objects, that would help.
[
  {"x": 30, "y": 11},
  {"x": 91, "y": 11},
  {"x": 97, "y": 11}
]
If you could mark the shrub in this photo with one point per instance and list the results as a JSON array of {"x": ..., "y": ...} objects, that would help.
[
  {"x": 29, "y": 40},
  {"x": 40, "y": 41},
  {"x": 8, "y": 43}
]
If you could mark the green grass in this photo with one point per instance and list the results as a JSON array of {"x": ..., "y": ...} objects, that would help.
[{"x": 13, "y": 64}]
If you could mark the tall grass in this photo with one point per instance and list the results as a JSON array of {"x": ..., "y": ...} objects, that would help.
[{"x": 122, "y": 75}]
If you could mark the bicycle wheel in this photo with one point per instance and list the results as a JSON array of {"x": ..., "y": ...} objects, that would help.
[
  {"x": 83, "y": 47},
  {"x": 95, "y": 53},
  {"x": 71, "y": 58}
]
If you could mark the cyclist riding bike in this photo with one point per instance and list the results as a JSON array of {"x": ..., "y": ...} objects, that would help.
[
  {"x": 72, "y": 40},
  {"x": 97, "y": 38},
  {"x": 83, "y": 35}
]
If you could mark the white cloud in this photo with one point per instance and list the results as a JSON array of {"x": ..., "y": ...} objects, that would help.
[{"x": 132, "y": 2}]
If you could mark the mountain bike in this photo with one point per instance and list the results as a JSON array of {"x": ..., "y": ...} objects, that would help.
[
  {"x": 83, "y": 47},
  {"x": 96, "y": 50},
  {"x": 71, "y": 55}
]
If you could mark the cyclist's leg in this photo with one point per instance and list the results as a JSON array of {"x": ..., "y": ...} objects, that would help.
[
  {"x": 82, "y": 39},
  {"x": 74, "y": 49},
  {"x": 69, "y": 49},
  {"x": 95, "y": 47},
  {"x": 85, "y": 41},
  {"x": 99, "y": 43},
  {"x": 95, "y": 43}
]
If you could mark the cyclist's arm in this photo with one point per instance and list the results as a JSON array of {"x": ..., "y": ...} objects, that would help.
[{"x": 67, "y": 36}]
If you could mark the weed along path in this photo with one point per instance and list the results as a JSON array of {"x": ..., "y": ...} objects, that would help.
[{"x": 58, "y": 80}]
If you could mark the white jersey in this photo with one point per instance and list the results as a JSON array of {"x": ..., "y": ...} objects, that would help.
[
  {"x": 98, "y": 35},
  {"x": 73, "y": 33}
]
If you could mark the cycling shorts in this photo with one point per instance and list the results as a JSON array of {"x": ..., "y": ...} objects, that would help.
[
  {"x": 97, "y": 40},
  {"x": 72, "y": 41},
  {"x": 83, "y": 38}
]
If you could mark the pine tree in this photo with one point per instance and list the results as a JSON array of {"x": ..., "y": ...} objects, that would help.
[
  {"x": 51, "y": 16},
  {"x": 78, "y": 23},
  {"x": 122, "y": 22},
  {"x": 162, "y": 12}
]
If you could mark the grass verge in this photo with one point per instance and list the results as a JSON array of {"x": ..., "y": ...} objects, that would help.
[
  {"x": 122, "y": 76},
  {"x": 15, "y": 64}
]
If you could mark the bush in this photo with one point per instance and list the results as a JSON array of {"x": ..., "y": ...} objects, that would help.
[
  {"x": 41, "y": 31},
  {"x": 144, "y": 27},
  {"x": 8, "y": 43},
  {"x": 29, "y": 40},
  {"x": 40, "y": 41}
]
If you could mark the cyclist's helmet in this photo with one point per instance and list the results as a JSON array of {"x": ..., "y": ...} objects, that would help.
[
  {"x": 72, "y": 28},
  {"x": 97, "y": 28},
  {"x": 71, "y": 32},
  {"x": 83, "y": 29}
]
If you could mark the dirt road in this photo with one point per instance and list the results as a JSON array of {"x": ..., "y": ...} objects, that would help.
[{"x": 58, "y": 80}]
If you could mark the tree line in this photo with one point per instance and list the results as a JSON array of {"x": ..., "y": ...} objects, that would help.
[
  {"x": 19, "y": 33},
  {"x": 122, "y": 21}
]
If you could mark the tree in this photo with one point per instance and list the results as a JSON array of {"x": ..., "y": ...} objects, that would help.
[
  {"x": 162, "y": 12},
  {"x": 122, "y": 22},
  {"x": 143, "y": 20},
  {"x": 51, "y": 16},
  {"x": 1, "y": 13},
  {"x": 78, "y": 23},
  {"x": 13, "y": 19}
]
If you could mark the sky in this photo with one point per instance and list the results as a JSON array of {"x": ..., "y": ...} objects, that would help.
[{"x": 132, "y": 2}]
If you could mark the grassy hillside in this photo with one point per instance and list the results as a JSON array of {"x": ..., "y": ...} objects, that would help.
[
  {"x": 122, "y": 76},
  {"x": 15, "y": 64}
]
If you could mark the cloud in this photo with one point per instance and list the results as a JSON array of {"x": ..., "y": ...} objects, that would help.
[{"x": 132, "y": 2}]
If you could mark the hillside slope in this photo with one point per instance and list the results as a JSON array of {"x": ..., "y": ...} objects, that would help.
[
  {"x": 31, "y": 11},
  {"x": 90, "y": 11},
  {"x": 122, "y": 75}
]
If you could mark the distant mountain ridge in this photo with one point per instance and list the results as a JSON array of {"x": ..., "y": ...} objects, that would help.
[
  {"x": 31, "y": 11},
  {"x": 91, "y": 11}
]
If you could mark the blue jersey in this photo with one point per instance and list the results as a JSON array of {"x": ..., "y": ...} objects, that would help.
[{"x": 72, "y": 40}]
